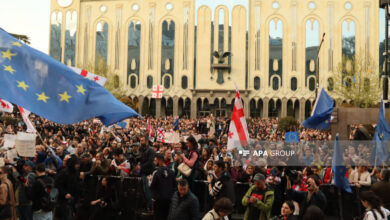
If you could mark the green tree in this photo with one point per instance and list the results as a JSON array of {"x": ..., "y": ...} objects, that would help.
[
  {"x": 288, "y": 124},
  {"x": 357, "y": 80},
  {"x": 22, "y": 37}
]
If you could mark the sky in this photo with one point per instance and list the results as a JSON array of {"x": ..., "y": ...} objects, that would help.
[{"x": 28, "y": 17}]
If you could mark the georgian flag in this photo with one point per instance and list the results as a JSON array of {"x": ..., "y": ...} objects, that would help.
[
  {"x": 25, "y": 113},
  {"x": 6, "y": 106},
  {"x": 124, "y": 167},
  {"x": 98, "y": 79},
  {"x": 161, "y": 135},
  {"x": 238, "y": 135}
]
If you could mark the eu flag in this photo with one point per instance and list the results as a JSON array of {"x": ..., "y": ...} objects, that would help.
[
  {"x": 379, "y": 154},
  {"x": 50, "y": 89},
  {"x": 176, "y": 125},
  {"x": 339, "y": 169},
  {"x": 291, "y": 137},
  {"x": 323, "y": 108}
]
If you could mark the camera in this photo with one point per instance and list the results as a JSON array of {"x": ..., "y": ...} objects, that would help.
[{"x": 292, "y": 174}]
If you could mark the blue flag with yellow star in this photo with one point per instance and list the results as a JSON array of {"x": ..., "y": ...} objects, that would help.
[
  {"x": 323, "y": 108},
  {"x": 379, "y": 154},
  {"x": 339, "y": 169},
  {"x": 50, "y": 89}
]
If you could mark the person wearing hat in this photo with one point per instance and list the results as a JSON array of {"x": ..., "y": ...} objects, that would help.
[{"x": 258, "y": 200}]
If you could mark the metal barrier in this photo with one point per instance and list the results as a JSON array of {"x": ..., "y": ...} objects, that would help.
[{"x": 130, "y": 197}]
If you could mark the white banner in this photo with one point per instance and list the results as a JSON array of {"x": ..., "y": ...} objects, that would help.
[
  {"x": 9, "y": 141},
  {"x": 25, "y": 144},
  {"x": 172, "y": 137}
]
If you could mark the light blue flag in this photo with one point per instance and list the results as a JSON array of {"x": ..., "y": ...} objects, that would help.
[
  {"x": 323, "y": 108},
  {"x": 50, "y": 89},
  {"x": 291, "y": 137},
  {"x": 339, "y": 169},
  {"x": 382, "y": 134}
]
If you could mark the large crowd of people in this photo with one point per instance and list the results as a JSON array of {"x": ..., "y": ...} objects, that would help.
[{"x": 50, "y": 185}]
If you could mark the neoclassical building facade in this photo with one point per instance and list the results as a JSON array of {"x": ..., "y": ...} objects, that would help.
[{"x": 273, "y": 46}]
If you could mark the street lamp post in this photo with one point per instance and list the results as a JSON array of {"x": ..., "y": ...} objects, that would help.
[
  {"x": 385, "y": 4},
  {"x": 318, "y": 65}
]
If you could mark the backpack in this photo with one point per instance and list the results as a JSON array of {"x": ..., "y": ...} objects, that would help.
[{"x": 49, "y": 199}]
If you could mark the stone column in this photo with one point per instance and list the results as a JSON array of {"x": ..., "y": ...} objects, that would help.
[
  {"x": 175, "y": 106},
  {"x": 158, "y": 108},
  {"x": 246, "y": 108},
  {"x": 302, "y": 110},
  {"x": 265, "y": 107},
  {"x": 284, "y": 108},
  {"x": 193, "y": 108},
  {"x": 140, "y": 105}
]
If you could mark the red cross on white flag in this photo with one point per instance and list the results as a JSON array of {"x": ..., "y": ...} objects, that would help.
[
  {"x": 160, "y": 135},
  {"x": 157, "y": 92},
  {"x": 98, "y": 79},
  {"x": 6, "y": 106},
  {"x": 25, "y": 113},
  {"x": 238, "y": 130}
]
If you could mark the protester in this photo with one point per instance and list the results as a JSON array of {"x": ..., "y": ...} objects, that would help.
[
  {"x": 314, "y": 213},
  {"x": 184, "y": 204},
  {"x": 222, "y": 208},
  {"x": 103, "y": 205},
  {"x": 163, "y": 186},
  {"x": 374, "y": 209},
  {"x": 258, "y": 200},
  {"x": 382, "y": 188},
  {"x": 220, "y": 184},
  {"x": 7, "y": 196},
  {"x": 41, "y": 207}
]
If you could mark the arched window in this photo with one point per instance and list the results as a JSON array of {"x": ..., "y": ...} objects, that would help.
[
  {"x": 256, "y": 83},
  {"x": 275, "y": 83},
  {"x": 55, "y": 35},
  {"x": 294, "y": 83},
  {"x": 167, "y": 82},
  {"x": 101, "y": 44},
  {"x": 312, "y": 44},
  {"x": 366, "y": 85},
  {"x": 70, "y": 38},
  {"x": 221, "y": 29},
  {"x": 275, "y": 47},
  {"x": 348, "y": 39},
  {"x": 133, "y": 48},
  {"x": 133, "y": 81},
  {"x": 312, "y": 84},
  {"x": 149, "y": 82},
  {"x": 168, "y": 48},
  {"x": 184, "y": 82},
  {"x": 330, "y": 84}
]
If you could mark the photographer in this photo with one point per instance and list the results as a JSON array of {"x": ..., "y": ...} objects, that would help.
[
  {"x": 102, "y": 206},
  {"x": 312, "y": 197}
]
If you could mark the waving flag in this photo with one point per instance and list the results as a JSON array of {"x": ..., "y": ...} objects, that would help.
[
  {"x": 238, "y": 131},
  {"x": 322, "y": 111},
  {"x": 25, "y": 113},
  {"x": 379, "y": 154},
  {"x": 160, "y": 135},
  {"x": 176, "y": 125},
  {"x": 6, "y": 106},
  {"x": 50, "y": 89},
  {"x": 98, "y": 79},
  {"x": 339, "y": 169}
]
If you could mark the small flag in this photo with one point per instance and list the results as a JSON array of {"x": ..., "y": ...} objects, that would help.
[
  {"x": 25, "y": 113},
  {"x": 379, "y": 154},
  {"x": 98, "y": 79},
  {"x": 322, "y": 111},
  {"x": 6, "y": 106},
  {"x": 291, "y": 137},
  {"x": 122, "y": 124},
  {"x": 176, "y": 125},
  {"x": 160, "y": 135},
  {"x": 339, "y": 169},
  {"x": 157, "y": 92},
  {"x": 238, "y": 130}
]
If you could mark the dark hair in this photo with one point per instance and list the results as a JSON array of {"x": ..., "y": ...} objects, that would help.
[
  {"x": 316, "y": 179},
  {"x": 386, "y": 175},
  {"x": 314, "y": 213},
  {"x": 118, "y": 151},
  {"x": 182, "y": 182},
  {"x": 220, "y": 164},
  {"x": 40, "y": 168},
  {"x": 373, "y": 200},
  {"x": 290, "y": 204},
  {"x": 223, "y": 205},
  {"x": 159, "y": 157},
  {"x": 193, "y": 142}
]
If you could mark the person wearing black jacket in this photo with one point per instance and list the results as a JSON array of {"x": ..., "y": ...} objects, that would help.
[
  {"x": 312, "y": 197},
  {"x": 163, "y": 186},
  {"x": 68, "y": 183},
  {"x": 221, "y": 185},
  {"x": 147, "y": 167},
  {"x": 184, "y": 204},
  {"x": 38, "y": 192}
]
